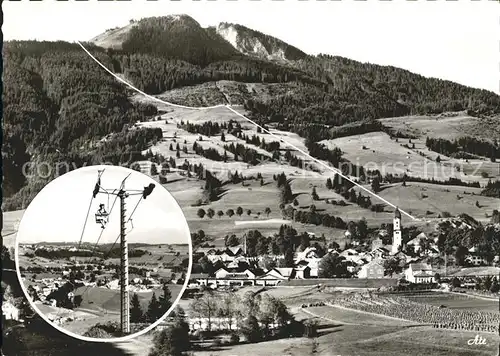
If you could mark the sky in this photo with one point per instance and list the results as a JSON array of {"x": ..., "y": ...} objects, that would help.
[
  {"x": 453, "y": 40},
  {"x": 57, "y": 214}
]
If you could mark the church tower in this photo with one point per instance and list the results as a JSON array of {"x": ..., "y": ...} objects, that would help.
[{"x": 397, "y": 240}]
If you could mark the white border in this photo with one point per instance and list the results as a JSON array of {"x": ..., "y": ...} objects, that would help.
[{"x": 119, "y": 339}]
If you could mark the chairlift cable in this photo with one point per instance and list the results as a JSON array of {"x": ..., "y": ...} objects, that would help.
[
  {"x": 86, "y": 219},
  {"x": 116, "y": 240},
  {"x": 102, "y": 230},
  {"x": 85, "y": 223}
]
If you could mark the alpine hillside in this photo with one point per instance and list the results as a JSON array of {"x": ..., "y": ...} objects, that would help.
[{"x": 60, "y": 106}]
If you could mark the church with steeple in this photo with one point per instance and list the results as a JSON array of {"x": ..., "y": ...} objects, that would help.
[{"x": 397, "y": 238}]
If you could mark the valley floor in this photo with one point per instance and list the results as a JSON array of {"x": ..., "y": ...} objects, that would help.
[{"x": 344, "y": 332}]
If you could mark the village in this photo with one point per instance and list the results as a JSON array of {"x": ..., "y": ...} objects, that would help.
[
  {"x": 396, "y": 262},
  {"x": 51, "y": 268}
]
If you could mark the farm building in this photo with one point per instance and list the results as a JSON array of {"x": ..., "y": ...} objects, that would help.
[
  {"x": 200, "y": 279},
  {"x": 227, "y": 255},
  {"x": 308, "y": 253},
  {"x": 416, "y": 242},
  {"x": 271, "y": 278},
  {"x": 303, "y": 272},
  {"x": 310, "y": 258},
  {"x": 379, "y": 252},
  {"x": 223, "y": 277},
  {"x": 419, "y": 273},
  {"x": 475, "y": 258},
  {"x": 275, "y": 276},
  {"x": 9, "y": 311},
  {"x": 373, "y": 269},
  {"x": 114, "y": 284}
]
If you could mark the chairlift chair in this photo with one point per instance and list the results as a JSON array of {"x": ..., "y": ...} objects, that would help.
[{"x": 101, "y": 217}]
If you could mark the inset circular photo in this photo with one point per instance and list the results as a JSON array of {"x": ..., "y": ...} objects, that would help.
[{"x": 103, "y": 253}]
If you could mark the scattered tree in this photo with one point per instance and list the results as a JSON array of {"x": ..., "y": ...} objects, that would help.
[
  {"x": 201, "y": 213},
  {"x": 314, "y": 194},
  {"x": 136, "y": 313}
]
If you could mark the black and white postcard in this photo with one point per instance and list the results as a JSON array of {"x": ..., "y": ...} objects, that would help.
[{"x": 236, "y": 178}]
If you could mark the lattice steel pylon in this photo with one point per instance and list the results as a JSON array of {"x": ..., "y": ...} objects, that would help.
[
  {"x": 124, "y": 293},
  {"x": 123, "y": 194}
]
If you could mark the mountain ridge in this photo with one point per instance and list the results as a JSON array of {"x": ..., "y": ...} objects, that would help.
[
  {"x": 251, "y": 42},
  {"x": 233, "y": 41},
  {"x": 242, "y": 39}
]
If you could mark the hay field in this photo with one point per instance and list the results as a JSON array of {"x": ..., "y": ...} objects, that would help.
[
  {"x": 173, "y": 136},
  {"x": 422, "y": 200},
  {"x": 449, "y": 126},
  {"x": 472, "y": 271},
  {"x": 100, "y": 299},
  {"x": 388, "y": 156},
  {"x": 353, "y": 317},
  {"x": 366, "y": 341},
  {"x": 345, "y": 332},
  {"x": 456, "y": 301},
  {"x": 422, "y": 197}
]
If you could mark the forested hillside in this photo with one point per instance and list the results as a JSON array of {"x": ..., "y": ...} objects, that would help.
[
  {"x": 416, "y": 92},
  {"x": 57, "y": 105},
  {"x": 177, "y": 37},
  {"x": 361, "y": 91},
  {"x": 155, "y": 74},
  {"x": 164, "y": 53}
]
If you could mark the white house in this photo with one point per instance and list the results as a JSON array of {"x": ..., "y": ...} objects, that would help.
[
  {"x": 287, "y": 272},
  {"x": 114, "y": 284},
  {"x": 303, "y": 272},
  {"x": 275, "y": 276},
  {"x": 308, "y": 253},
  {"x": 351, "y": 255},
  {"x": 373, "y": 269},
  {"x": 224, "y": 277},
  {"x": 333, "y": 251},
  {"x": 379, "y": 252},
  {"x": 212, "y": 254},
  {"x": 416, "y": 242},
  {"x": 360, "y": 259},
  {"x": 419, "y": 273},
  {"x": 9, "y": 311},
  {"x": 349, "y": 252},
  {"x": 476, "y": 260},
  {"x": 433, "y": 251}
]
